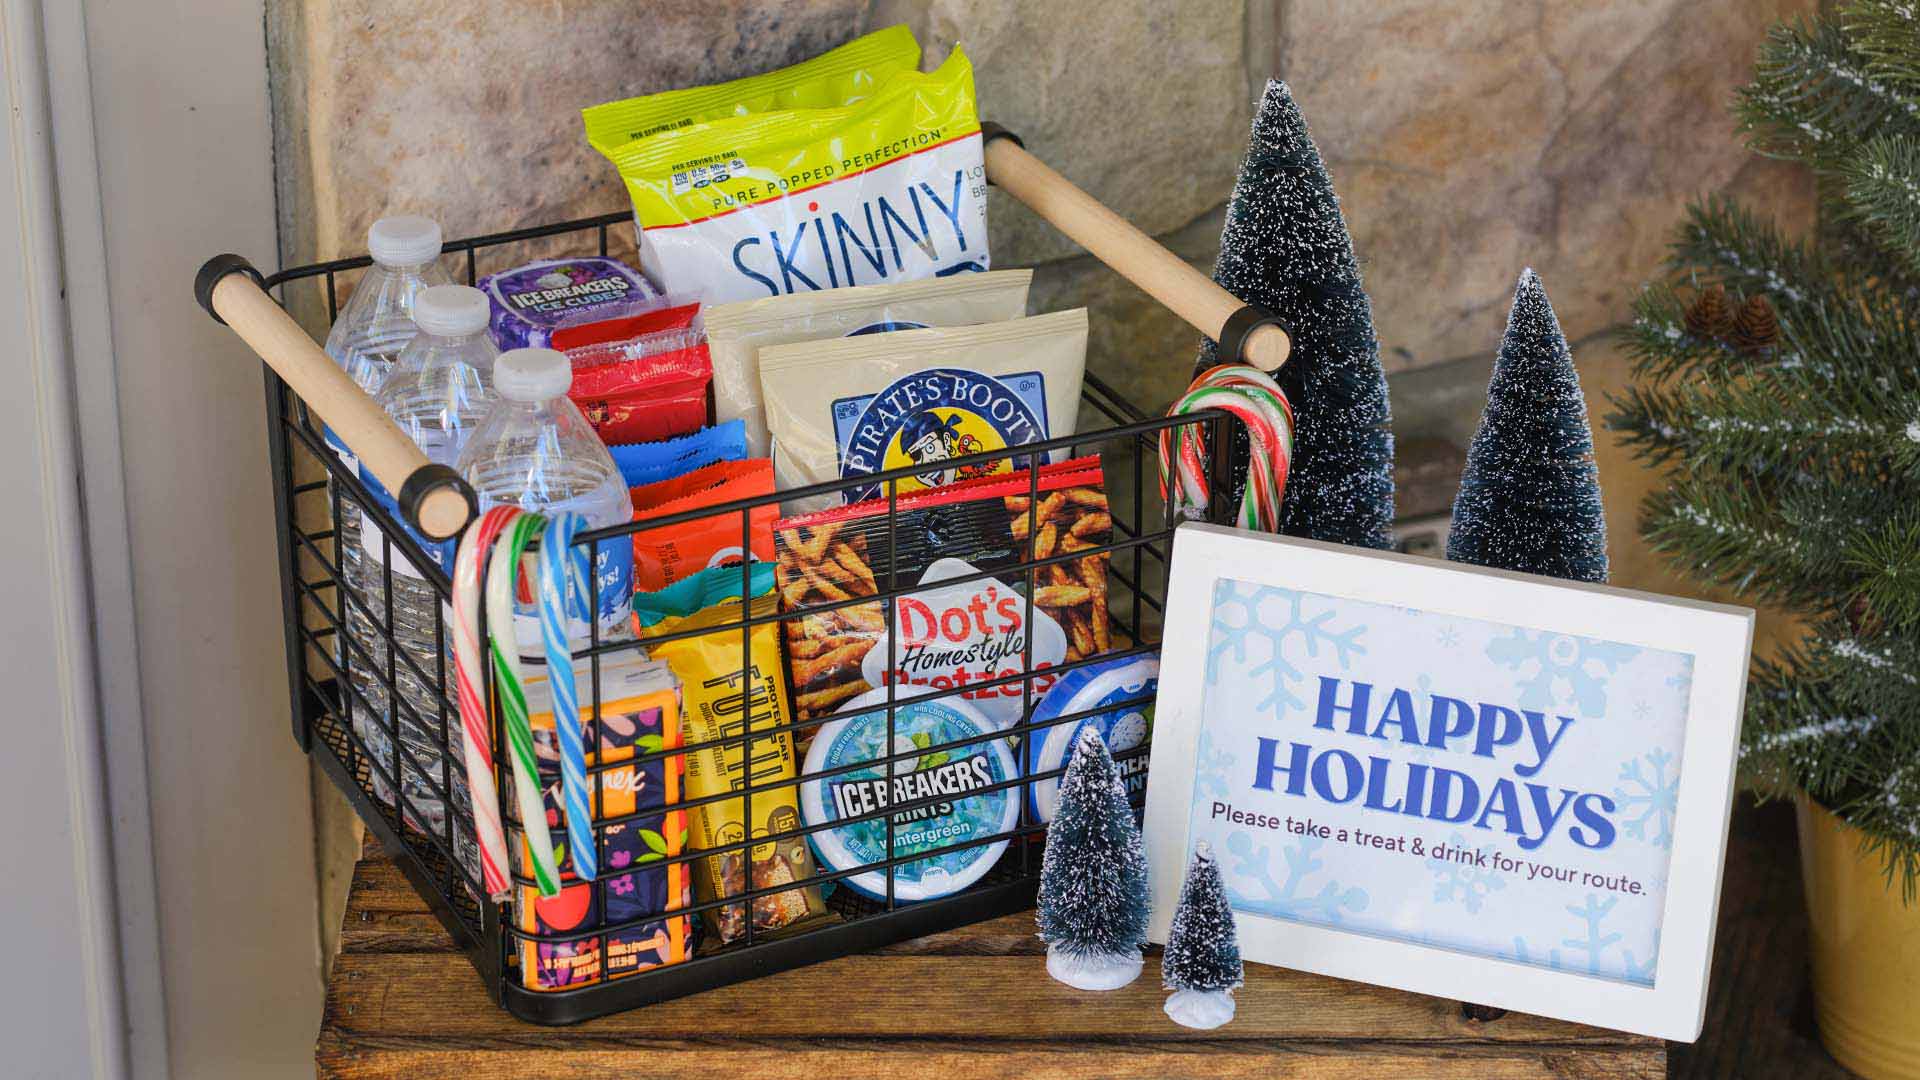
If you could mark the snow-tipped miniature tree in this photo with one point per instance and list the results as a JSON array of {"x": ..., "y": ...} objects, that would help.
[
  {"x": 1776, "y": 383},
  {"x": 1201, "y": 964},
  {"x": 1285, "y": 248},
  {"x": 1093, "y": 878},
  {"x": 1530, "y": 496}
]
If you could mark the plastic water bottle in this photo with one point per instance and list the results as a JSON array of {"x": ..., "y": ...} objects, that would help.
[
  {"x": 368, "y": 336},
  {"x": 535, "y": 450},
  {"x": 439, "y": 388}
]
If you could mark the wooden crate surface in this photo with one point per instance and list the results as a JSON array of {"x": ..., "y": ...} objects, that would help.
[{"x": 974, "y": 1002}]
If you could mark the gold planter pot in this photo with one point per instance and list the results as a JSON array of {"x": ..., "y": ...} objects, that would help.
[{"x": 1866, "y": 951}]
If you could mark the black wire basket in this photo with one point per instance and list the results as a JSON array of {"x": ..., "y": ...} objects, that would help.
[{"x": 344, "y": 661}]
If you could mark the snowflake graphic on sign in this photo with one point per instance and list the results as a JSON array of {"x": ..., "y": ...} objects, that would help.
[
  {"x": 1293, "y": 895},
  {"x": 1465, "y": 884},
  {"x": 1650, "y": 796},
  {"x": 1560, "y": 669},
  {"x": 1259, "y": 622}
]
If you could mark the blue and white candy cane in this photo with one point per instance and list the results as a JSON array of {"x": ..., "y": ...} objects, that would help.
[{"x": 566, "y": 587}]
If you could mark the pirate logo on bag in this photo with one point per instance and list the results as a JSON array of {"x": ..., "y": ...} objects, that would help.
[{"x": 928, "y": 418}]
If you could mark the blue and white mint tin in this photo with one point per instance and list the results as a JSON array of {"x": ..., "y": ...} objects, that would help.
[
  {"x": 1123, "y": 727},
  {"x": 950, "y": 774}
]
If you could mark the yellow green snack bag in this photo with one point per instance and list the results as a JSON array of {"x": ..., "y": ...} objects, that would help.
[
  {"x": 889, "y": 187},
  {"x": 721, "y": 699},
  {"x": 839, "y": 76}
]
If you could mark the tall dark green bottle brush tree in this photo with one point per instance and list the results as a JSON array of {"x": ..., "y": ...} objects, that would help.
[
  {"x": 1530, "y": 495},
  {"x": 1778, "y": 381},
  {"x": 1285, "y": 248}
]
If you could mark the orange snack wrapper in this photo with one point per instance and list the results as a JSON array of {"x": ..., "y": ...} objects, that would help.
[{"x": 665, "y": 555}]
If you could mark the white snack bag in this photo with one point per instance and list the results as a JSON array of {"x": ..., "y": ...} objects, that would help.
[
  {"x": 866, "y": 404},
  {"x": 737, "y": 332}
]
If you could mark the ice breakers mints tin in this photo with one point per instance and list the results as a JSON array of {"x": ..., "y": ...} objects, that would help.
[
  {"x": 530, "y": 302},
  {"x": 1123, "y": 727},
  {"x": 947, "y": 774}
]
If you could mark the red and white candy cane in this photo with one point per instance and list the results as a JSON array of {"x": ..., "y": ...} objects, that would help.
[
  {"x": 1257, "y": 401},
  {"x": 467, "y": 674}
]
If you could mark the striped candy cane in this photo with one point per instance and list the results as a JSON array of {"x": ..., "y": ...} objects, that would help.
[
  {"x": 477, "y": 746},
  {"x": 510, "y": 686},
  {"x": 565, "y": 586},
  {"x": 1257, "y": 401}
]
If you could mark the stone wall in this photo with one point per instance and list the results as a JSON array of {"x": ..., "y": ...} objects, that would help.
[{"x": 1468, "y": 139}]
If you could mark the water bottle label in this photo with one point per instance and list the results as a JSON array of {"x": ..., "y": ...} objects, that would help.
[
  {"x": 339, "y": 447},
  {"x": 373, "y": 540},
  {"x": 613, "y": 588}
]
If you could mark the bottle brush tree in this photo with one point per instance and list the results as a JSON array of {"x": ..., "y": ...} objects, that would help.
[
  {"x": 1530, "y": 495},
  {"x": 1285, "y": 248},
  {"x": 1776, "y": 378},
  {"x": 1201, "y": 964},
  {"x": 1093, "y": 878}
]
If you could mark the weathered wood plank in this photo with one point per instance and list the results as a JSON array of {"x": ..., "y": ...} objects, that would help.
[
  {"x": 972, "y": 1002},
  {"x": 1040, "y": 1060},
  {"x": 877, "y": 996}
]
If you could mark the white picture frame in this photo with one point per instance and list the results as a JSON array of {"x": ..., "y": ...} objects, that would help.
[{"x": 1717, "y": 637}]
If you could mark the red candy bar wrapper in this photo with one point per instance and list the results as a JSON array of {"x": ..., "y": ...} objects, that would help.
[
  {"x": 949, "y": 635},
  {"x": 665, "y": 555},
  {"x": 641, "y": 378}
]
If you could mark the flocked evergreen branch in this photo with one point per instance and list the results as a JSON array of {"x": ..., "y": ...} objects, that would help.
[
  {"x": 1815, "y": 97},
  {"x": 1793, "y": 445},
  {"x": 1887, "y": 35},
  {"x": 1883, "y": 194}
]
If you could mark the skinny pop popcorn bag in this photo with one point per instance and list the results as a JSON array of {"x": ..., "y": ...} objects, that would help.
[{"x": 857, "y": 172}]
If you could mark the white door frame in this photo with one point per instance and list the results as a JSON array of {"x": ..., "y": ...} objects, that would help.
[{"x": 74, "y": 1017}]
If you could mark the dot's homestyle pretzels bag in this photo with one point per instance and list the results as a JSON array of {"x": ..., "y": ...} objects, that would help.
[
  {"x": 851, "y": 169},
  {"x": 949, "y": 635},
  {"x": 737, "y": 332},
  {"x": 724, "y": 700},
  {"x": 861, "y": 405}
]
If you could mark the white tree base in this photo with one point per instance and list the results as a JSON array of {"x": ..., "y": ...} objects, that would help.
[
  {"x": 1084, "y": 971},
  {"x": 1200, "y": 1009}
]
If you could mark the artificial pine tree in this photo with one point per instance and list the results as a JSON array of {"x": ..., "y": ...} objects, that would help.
[
  {"x": 1791, "y": 432},
  {"x": 1285, "y": 248},
  {"x": 1093, "y": 877},
  {"x": 1530, "y": 495},
  {"x": 1201, "y": 963}
]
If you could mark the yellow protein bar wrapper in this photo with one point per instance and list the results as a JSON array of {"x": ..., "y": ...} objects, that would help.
[
  {"x": 890, "y": 187},
  {"x": 839, "y": 76},
  {"x": 724, "y": 700}
]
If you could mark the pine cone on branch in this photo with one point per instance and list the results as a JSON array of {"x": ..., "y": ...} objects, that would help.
[
  {"x": 1756, "y": 328},
  {"x": 1710, "y": 316}
]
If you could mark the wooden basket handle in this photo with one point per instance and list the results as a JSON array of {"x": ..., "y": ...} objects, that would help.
[
  {"x": 1133, "y": 254},
  {"x": 433, "y": 499}
]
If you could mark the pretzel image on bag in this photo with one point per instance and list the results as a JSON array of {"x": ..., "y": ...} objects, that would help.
[{"x": 948, "y": 635}]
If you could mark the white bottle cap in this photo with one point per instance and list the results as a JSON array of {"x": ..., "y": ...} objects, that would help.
[
  {"x": 532, "y": 374},
  {"x": 450, "y": 310},
  {"x": 404, "y": 240}
]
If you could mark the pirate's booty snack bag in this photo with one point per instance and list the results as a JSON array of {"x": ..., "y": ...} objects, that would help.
[
  {"x": 860, "y": 405},
  {"x": 724, "y": 700},
  {"x": 639, "y": 715},
  {"x": 737, "y": 332},
  {"x": 947, "y": 635},
  {"x": 852, "y": 170}
]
